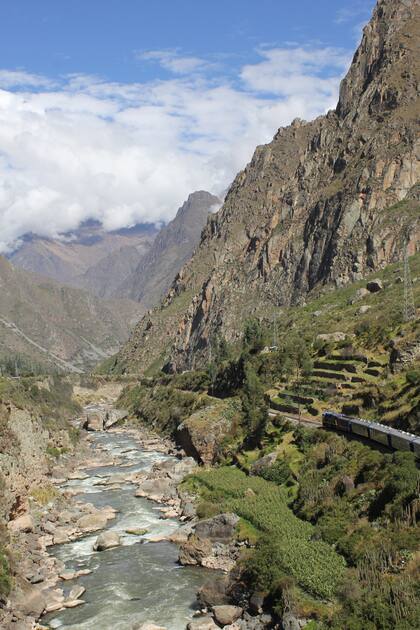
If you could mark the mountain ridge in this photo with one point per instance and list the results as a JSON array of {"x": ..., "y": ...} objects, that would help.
[{"x": 311, "y": 208}]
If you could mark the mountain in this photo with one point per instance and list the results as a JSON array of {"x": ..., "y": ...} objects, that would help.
[
  {"x": 74, "y": 258},
  {"x": 59, "y": 327},
  {"x": 137, "y": 263},
  {"x": 171, "y": 249},
  {"x": 323, "y": 204}
]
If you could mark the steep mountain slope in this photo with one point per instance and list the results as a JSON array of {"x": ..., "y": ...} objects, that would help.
[
  {"x": 73, "y": 259},
  {"x": 58, "y": 327},
  {"x": 171, "y": 249},
  {"x": 324, "y": 202}
]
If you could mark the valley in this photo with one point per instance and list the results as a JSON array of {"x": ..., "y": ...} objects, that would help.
[{"x": 212, "y": 422}]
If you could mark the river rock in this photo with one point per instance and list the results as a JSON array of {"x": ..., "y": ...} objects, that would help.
[
  {"x": 92, "y": 522},
  {"x": 95, "y": 421},
  {"x": 76, "y": 592},
  {"x": 214, "y": 592},
  {"x": 194, "y": 551},
  {"x": 113, "y": 416},
  {"x": 156, "y": 489},
  {"x": 202, "y": 623},
  {"x": 226, "y": 615},
  {"x": 107, "y": 540},
  {"x": 133, "y": 531},
  {"x": 73, "y": 603},
  {"x": 24, "y": 523},
  {"x": 77, "y": 475}
]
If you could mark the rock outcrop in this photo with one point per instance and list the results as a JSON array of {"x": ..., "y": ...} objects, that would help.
[{"x": 325, "y": 202}]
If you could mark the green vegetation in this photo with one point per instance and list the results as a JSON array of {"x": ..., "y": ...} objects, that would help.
[
  {"x": 162, "y": 406},
  {"x": 5, "y": 579},
  {"x": 332, "y": 524},
  {"x": 285, "y": 545},
  {"x": 254, "y": 407},
  {"x": 21, "y": 365}
]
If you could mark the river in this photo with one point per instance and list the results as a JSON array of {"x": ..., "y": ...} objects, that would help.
[{"x": 138, "y": 581}]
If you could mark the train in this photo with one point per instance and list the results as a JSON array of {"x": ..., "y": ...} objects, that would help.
[{"x": 387, "y": 436}]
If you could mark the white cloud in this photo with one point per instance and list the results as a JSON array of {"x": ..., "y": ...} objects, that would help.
[
  {"x": 20, "y": 78},
  {"x": 174, "y": 62},
  {"x": 126, "y": 153}
]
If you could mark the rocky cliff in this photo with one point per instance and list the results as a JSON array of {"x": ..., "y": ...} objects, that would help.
[
  {"x": 324, "y": 203},
  {"x": 172, "y": 248}
]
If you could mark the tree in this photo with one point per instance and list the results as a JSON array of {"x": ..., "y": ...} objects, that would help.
[
  {"x": 296, "y": 357},
  {"x": 254, "y": 407},
  {"x": 253, "y": 341}
]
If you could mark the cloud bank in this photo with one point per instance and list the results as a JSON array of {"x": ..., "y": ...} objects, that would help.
[{"x": 82, "y": 147}]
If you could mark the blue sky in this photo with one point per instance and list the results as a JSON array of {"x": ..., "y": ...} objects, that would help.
[
  {"x": 101, "y": 36},
  {"x": 118, "y": 109}
]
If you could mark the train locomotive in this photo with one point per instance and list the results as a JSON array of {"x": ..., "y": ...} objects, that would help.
[{"x": 387, "y": 436}]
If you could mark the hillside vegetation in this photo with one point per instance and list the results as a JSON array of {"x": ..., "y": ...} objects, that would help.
[{"x": 330, "y": 525}]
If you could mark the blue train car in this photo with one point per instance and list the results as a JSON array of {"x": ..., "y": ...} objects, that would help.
[{"x": 387, "y": 436}]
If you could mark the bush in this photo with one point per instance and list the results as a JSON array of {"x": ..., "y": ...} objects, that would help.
[
  {"x": 279, "y": 473},
  {"x": 5, "y": 580}
]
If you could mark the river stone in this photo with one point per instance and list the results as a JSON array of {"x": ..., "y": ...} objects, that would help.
[
  {"x": 107, "y": 540},
  {"x": 95, "y": 421},
  {"x": 226, "y": 615},
  {"x": 76, "y": 592},
  {"x": 114, "y": 416},
  {"x": 92, "y": 522},
  {"x": 73, "y": 603},
  {"x": 214, "y": 592},
  {"x": 194, "y": 551},
  {"x": 159, "y": 488},
  {"x": 202, "y": 623}
]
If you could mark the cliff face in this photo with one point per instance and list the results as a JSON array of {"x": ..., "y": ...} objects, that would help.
[
  {"x": 324, "y": 202},
  {"x": 171, "y": 249}
]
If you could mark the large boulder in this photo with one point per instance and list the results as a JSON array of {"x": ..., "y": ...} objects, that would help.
[
  {"x": 95, "y": 421},
  {"x": 263, "y": 462},
  {"x": 214, "y": 591},
  {"x": 24, "y": 523},
  {"x": 220, "y": 528},
  {"x": 92, "y": 522},
  {"x": 374, "y": 286},
  {"x": 30, "y": 601},
  {"x": 113, "y": 416},
  {"x": 194, "y": 551},
  {"x": 157, "y": 489},
  {"x": 226, "y": 615},
  {"x": 107, "y": 540}
]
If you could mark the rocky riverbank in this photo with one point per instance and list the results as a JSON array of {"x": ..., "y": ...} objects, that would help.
[{"x": 57, "y": 517}]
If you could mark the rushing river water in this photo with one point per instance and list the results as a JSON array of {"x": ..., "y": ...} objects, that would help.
[{"x": 134, "y": 582}]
